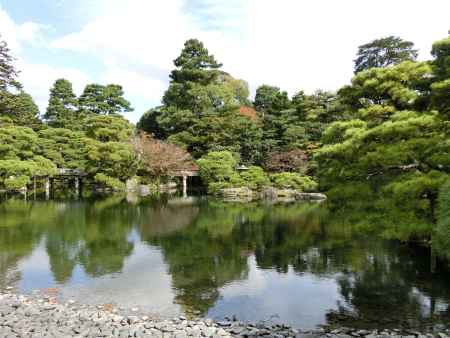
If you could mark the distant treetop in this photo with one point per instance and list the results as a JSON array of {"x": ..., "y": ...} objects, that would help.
[{"x": 384, "y": 52}]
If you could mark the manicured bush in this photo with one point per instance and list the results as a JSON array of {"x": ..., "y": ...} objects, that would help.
[
  {"x": 110, "y": 182},
  {"x": 255, "y": 178},
  {"x": 217, "y": 171},
  {"x": 293, "y": 181},
  {"x": 16, "y": 182}
]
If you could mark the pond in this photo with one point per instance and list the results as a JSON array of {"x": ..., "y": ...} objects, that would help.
[{"x": 290, "y": 263}]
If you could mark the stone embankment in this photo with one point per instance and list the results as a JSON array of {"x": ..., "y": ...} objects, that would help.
[
  {"x": 39, "y": 316},
  {"x": 270, "y": 193}
]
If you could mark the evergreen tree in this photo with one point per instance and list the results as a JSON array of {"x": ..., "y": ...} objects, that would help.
[
  {"x": 103, "y": 100},
  {"x": 20, "y": 109},
  {"x": 15, "y": 104},
  {"x": 395, "y": 146},
  {"x": 201, "y": 108},
  {"x": 441, "y": 66},
  {"x": 8, "y": 73},
  {"x": 62, "y": 106},
  {"x": 196, "y": 69},
  {"x": 384, "y": 52}
]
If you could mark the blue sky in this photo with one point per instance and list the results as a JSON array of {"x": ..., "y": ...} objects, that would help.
[{"x": 294, "y": 44}]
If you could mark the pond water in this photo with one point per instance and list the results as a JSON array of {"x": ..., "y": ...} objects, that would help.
[{"x": 290, "y": 263}]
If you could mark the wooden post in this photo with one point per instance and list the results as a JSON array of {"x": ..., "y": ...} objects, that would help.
[
  {"x": 34, "y": 187},
  {"x": 77, "y": 186},
  {"x": 184, "y": 186},
  {"x": 47, "y": 188},
  {"x": 433, "y": 261}
]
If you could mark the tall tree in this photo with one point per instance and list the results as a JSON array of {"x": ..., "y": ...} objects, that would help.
[
  {"x": 20, "y": 108},
  {"x": 201, "y": 108},
  {"x": 384, "y": 52},
  {"x": 8, "y": 73},
  {"x": 62, "y": 106},
  {"x": 270, "y": 99},
  {"x": 103, "y": 100},
  {"x": 15, "y": 104},
  {"x": 392, "y": 147},
  {"x": 195, "y": 70},
  {"x": 441, "y": 67},
  {"x": 195, "y": 64}
]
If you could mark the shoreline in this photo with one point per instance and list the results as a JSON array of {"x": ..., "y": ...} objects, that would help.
[{"x": 40, "y": 315}]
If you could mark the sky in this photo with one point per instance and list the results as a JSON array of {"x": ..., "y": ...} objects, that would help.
[{"x": 293, "y": 44}]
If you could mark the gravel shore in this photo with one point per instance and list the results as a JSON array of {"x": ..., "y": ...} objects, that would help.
[{"x": 42, "y": 316}]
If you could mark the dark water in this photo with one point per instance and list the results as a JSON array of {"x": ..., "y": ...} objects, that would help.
[{"x": 294, "y": 263}]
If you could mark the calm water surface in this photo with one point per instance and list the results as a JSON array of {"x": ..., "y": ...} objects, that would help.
[{"x": 293, "y": 263}]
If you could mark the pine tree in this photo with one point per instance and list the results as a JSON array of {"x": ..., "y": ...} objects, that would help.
[{"x": 62, "y": 106}]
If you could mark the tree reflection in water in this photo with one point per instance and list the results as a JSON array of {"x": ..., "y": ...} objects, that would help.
[{"x": 206, "y": 245}]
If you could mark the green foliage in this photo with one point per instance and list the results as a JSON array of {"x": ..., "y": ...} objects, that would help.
[
  {"x": 93, "y": 143},
  {"x": 108, "y": 128},
  {"x": 15, "y": 174},
  {"x": 297, "y": 123},
  {"x": 110, "y": 182},
  {"x": 399, "y": 86},
  {"x": 114, "y": 159},
  {"x": 444, "y": 206},
  {"x": 384, "y": 52},
  {"x": 66, "y": 148},
  {"x": 192, "y": 82},
  {"x": 20, "y": 108},
  {"x": 17, "y": 143},
  {"x": 62, "y": 110},
  {"x": 218, "y": 170},
  {"x": 16, "y": 182},
  {"x": 15, "y": 104},
  {"x": 441, "y": 53},
  {"x": 441, "y": 67},
  {"x": 255, "y": 178},
  {"x": 269, "y": 99},
  {"x": 8, "y": 73},
  {"x": 441, "y": 239},
  {"x": 201, "y": 109},
  {"x": 394, "y": 140},
  {"x": 293, "y": 181},
  {"x": 103, "y": 100}
]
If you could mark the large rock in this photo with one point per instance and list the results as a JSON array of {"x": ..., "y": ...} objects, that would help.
[
  {"x": 237, "y": 193},
  {"x": 291, "y": 195},
  {"x": 311, "y": 196},
  {"x": 132, "y": 185}
]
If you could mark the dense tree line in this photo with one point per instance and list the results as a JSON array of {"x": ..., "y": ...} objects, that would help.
[
  {"x": 383, "y": 138},
  {"x": 86, "y": 132}
]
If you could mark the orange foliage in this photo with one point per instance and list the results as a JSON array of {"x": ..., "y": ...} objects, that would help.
[
  {"x": 249, "y": 112},
  {"x": 162, "y": 158}
]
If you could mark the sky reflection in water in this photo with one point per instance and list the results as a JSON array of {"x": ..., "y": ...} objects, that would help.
[{"x": 294, "y": 263}]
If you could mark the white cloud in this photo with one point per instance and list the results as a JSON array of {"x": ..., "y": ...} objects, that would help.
[
  {"x": 138, "y": 84},
  {"x": 17, "y": 35},
  {"x": 293, "y": 44},
  {"x": 36, "y": 78}
]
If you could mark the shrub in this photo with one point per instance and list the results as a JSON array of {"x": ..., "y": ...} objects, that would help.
[
  {"x": 217, "y": 170},
  {"x": 255, "y": 178},
  {"x": 293, "y": 181},
  {"x": 110, "y": 182},
  {"x": 16, "y": 182}
]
